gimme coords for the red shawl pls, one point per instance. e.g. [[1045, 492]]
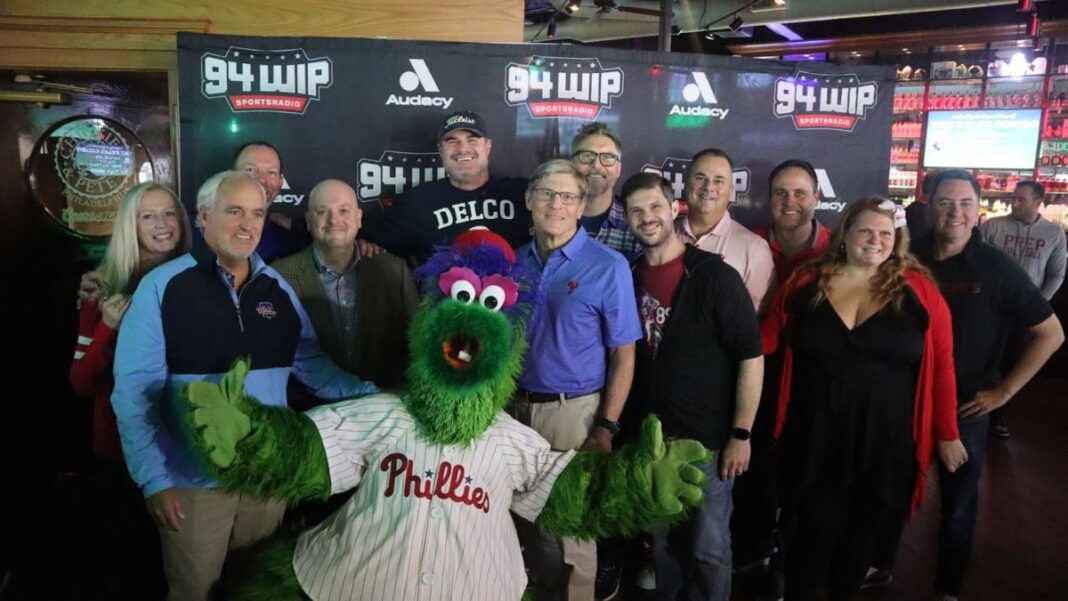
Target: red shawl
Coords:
[[935, 410]]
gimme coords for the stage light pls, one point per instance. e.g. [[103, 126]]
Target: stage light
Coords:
[[551, 33], [573, 6], [736, 24], [1038, 45], [1025, 6]]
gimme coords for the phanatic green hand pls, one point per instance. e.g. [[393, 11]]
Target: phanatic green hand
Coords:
[[677, 480], [219, 413]]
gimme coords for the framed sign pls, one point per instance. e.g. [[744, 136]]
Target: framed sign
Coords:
[[81, 168]]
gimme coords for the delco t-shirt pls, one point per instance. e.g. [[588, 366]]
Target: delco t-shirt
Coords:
[[435, 213]]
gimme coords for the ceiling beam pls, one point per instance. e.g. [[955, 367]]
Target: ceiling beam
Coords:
[[907, 39]]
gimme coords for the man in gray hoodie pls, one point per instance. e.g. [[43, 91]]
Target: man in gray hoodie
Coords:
[[1038, 245]]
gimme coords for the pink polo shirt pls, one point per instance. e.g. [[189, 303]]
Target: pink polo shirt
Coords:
[[740, 248]]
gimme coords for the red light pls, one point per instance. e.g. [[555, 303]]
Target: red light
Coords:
[[1032, 25]]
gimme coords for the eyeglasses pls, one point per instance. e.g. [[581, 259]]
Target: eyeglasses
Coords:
[[587, 157], [547, 195]]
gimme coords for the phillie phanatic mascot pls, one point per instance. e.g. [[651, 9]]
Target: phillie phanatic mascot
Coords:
[[436, 468]]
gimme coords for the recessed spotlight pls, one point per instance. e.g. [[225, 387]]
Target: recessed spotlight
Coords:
[[856, 54], [961, 47]]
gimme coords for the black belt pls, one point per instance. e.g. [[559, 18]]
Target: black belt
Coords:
[[549, 397]]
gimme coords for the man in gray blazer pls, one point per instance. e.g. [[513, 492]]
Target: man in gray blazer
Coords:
[[359, 306]]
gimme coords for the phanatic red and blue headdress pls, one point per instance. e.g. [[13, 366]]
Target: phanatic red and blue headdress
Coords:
[[479, 267]]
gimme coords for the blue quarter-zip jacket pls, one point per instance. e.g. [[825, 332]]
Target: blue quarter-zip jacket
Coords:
[[186, 323]]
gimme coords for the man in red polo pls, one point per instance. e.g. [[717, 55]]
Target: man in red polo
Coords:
[[794, 234], [794, 237]]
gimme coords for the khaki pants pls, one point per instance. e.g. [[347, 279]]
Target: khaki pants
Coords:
[[560, 568], [215, 522]]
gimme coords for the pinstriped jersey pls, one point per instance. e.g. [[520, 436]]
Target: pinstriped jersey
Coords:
[[428, 522]]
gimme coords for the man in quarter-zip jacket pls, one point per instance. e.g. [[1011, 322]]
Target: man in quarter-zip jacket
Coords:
[[189, 320]]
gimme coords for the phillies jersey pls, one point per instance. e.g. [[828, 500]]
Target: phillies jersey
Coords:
[[428, 522]]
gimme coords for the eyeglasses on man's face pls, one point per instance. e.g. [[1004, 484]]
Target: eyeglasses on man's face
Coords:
[[587, 157], [546, 195]]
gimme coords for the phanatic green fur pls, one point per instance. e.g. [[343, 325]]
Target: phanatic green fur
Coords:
[[600, 495], [263, 572], [281, 457], [456, 406]]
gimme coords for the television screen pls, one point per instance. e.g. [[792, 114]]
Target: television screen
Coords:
[[982, 139]]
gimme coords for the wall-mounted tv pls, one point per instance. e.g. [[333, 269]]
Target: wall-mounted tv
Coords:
[[982, 139]]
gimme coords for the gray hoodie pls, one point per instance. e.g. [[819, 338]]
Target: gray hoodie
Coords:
[[1039, 248]]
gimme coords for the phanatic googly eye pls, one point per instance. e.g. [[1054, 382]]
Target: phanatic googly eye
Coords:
[[463, 291], [460, 283], [492, 298], [505, 292]]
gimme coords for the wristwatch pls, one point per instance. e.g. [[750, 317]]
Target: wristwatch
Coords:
[[607, 424], [739, 434]]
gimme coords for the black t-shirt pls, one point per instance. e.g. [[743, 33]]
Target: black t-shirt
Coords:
[[987, 293], [918, 219], [691, 382], [435, 213], [593, 224]]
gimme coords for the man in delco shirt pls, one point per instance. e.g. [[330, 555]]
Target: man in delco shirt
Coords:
[[435, 213]]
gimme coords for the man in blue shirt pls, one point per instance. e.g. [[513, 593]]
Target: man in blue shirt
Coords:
[[189, 320], [581, 342]]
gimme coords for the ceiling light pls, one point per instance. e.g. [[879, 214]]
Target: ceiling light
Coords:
[[573, 6], [784, 31], [767, 5]]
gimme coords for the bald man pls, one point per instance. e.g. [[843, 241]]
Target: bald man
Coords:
[[359, 306]]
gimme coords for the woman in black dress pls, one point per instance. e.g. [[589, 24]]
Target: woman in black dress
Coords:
[[868, 392]]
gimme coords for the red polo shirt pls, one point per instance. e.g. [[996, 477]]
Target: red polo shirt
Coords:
[[784, 266]]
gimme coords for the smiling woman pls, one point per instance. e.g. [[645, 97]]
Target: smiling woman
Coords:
[[867, 392]]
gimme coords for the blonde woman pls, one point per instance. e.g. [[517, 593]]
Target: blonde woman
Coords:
[[150, 228], [868, 392]]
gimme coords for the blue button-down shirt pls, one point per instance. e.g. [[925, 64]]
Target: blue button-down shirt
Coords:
[[585, 304], [340, 291]]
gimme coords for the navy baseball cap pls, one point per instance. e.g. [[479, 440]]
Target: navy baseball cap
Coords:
[[462, 120]]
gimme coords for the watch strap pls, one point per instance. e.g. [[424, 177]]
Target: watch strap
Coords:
[[740, 434], [612, 427]]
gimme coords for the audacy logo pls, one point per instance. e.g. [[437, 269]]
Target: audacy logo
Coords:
[[411, 81], [700, 90]]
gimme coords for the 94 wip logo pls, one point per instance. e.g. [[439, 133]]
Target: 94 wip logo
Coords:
[[394, 172], [675, 170], [824, 101], [562, 87], [281, 81]]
